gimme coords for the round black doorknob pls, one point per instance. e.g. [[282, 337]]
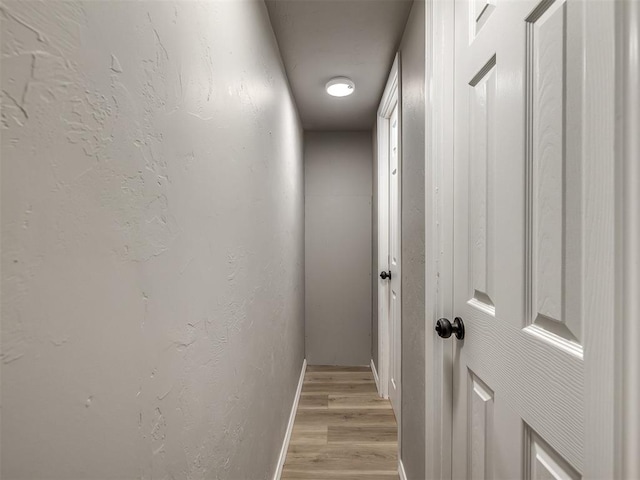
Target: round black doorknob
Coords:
[[445, 328], [385, 275]]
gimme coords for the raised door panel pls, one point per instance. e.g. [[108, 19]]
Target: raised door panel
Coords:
[[554, 216], [394, 342], [482, 92], [480, 429], [544, 463], [395, 265], [394, 244], [481, 10]]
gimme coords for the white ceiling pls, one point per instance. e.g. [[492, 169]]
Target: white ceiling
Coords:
[[322, 39]]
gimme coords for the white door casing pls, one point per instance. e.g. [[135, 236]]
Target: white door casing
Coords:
[[389, 241], [628, 229], [387, 104], [534, 251], [439, 148], [394, 262]]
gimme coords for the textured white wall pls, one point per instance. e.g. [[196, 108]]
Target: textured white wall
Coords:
[[152, 241], [338, 174]]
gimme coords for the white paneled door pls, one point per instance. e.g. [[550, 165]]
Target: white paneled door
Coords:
[[532, 224], [394, 264]]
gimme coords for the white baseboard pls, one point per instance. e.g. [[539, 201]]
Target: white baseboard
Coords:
[[292, 418], [375, 377], [401, 472]]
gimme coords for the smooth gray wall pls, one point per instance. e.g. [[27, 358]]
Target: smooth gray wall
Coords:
[[152, 241], [338, 171], [412, 60]]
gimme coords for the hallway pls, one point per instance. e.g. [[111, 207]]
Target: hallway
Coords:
[[319, 239], [343, 429]]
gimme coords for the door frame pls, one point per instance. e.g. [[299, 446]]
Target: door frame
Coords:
[[390, 97], [628, 236], [439, 194], [440, 41]]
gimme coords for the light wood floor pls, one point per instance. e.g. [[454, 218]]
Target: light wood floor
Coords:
[[343, 430]]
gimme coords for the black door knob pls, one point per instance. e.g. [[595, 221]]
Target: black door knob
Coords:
[[445, 328], [385, 275]]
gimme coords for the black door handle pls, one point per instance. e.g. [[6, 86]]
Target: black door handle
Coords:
[[444, 328], [385, 275]]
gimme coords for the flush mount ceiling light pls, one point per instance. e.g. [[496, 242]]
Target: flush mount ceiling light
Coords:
[[340, 87]]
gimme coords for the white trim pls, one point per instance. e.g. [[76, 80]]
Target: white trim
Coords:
[[401, 471], [390, 94], [628, 232], [292, 418], [383, 255], [390, 100], [387, 102], [375, 376], [599, 215], [439, 125]]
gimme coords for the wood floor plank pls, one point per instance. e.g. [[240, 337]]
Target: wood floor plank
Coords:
[[369, 434], [362, 400], [310, 435], [337, 388], [382, 458], [314, 401], [339, 377], [291, 474], [333, 368], [341, 416], [344, 451]]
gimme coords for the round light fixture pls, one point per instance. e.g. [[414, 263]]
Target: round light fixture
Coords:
[[340, 87]]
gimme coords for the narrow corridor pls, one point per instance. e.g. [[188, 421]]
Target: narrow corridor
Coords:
[[212, 210], [343, 429]]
